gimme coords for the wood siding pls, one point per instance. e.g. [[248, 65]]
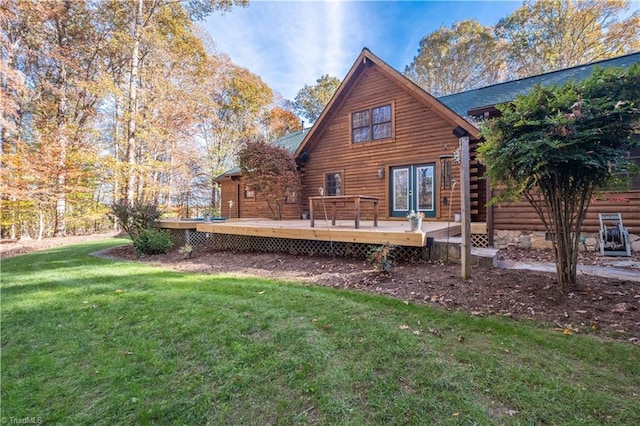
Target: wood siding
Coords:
[[420, 136], [521, 216], [234, 189]]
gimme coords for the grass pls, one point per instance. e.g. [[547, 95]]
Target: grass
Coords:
[[92, 341]]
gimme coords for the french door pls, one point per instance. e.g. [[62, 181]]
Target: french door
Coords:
[[413, 188]]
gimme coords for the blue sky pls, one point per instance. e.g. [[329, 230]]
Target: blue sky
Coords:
[[292, 43]]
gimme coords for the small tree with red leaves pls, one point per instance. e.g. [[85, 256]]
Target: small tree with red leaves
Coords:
[[271, 172]]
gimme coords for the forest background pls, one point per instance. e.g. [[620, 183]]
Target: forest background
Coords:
[[129, 101]]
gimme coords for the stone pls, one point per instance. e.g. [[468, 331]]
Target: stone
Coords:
[[502, 234], [540, 243], [591, 243], [524, 242]]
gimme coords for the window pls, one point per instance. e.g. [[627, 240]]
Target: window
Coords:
[[248, 192], [371, 124], [292, 198], [446, 176], [333, 184], [629, 179]]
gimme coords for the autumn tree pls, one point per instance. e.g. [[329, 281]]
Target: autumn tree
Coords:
[[548, 35], [138, 20], [457, 58], [270, 171], [279, 121], [100, 102], [232, 105], [55, 47], [557, 145], [538, 37], [311, 100]]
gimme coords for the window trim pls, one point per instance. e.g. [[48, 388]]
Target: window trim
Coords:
[[369, 109]]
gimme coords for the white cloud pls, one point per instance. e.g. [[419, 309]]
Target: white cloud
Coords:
[[289, 44]]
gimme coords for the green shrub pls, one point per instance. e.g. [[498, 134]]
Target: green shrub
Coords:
[[136, 218], [152, 242]]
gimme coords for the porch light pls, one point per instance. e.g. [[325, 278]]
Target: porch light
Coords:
[[381, 172]]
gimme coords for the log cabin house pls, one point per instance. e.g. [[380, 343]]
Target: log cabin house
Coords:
[[381, 135]]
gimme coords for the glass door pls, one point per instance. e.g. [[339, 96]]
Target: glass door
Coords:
[[413, 188]]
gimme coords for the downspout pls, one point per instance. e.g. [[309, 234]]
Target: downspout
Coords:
[[238, 199], [490, 225]]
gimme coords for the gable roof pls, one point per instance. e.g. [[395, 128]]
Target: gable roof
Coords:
[[290, 142], [489, 96], [364, 60]]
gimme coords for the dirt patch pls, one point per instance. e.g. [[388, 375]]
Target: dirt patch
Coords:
[[602, 306]]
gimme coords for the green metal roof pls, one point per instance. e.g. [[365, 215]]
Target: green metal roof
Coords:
[[501, 93], [290, 142]]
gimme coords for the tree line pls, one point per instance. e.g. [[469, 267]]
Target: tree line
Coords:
[[538, 37], [110, 100]]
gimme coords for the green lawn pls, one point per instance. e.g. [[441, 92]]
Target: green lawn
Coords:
[[93, 341]]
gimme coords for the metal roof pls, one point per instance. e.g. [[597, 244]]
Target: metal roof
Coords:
[[501, 93]]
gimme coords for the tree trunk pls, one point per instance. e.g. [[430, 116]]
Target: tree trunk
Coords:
[[60, 192], [41, 225], [132, 106]]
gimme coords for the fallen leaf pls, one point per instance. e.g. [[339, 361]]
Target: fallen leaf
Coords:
[[435, 332], [580, 311], [404, 327], [416, 332], [567, 332], [620, 308], [118, 291], [314, 320], [262, 292]]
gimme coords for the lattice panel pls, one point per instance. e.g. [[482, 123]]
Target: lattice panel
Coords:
[[189, 236], [177, 236], [306, 247], [480, 240]]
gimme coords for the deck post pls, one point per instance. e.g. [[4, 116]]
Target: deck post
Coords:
[[465, 199]]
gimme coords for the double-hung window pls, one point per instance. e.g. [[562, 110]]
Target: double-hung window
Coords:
[[371, 124]]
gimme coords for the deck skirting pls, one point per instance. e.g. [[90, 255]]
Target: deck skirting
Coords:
[[248, 243]]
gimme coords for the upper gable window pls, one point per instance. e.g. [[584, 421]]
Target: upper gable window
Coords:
[[371, 124]]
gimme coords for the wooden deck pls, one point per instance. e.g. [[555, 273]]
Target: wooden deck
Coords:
[[393, 232]]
